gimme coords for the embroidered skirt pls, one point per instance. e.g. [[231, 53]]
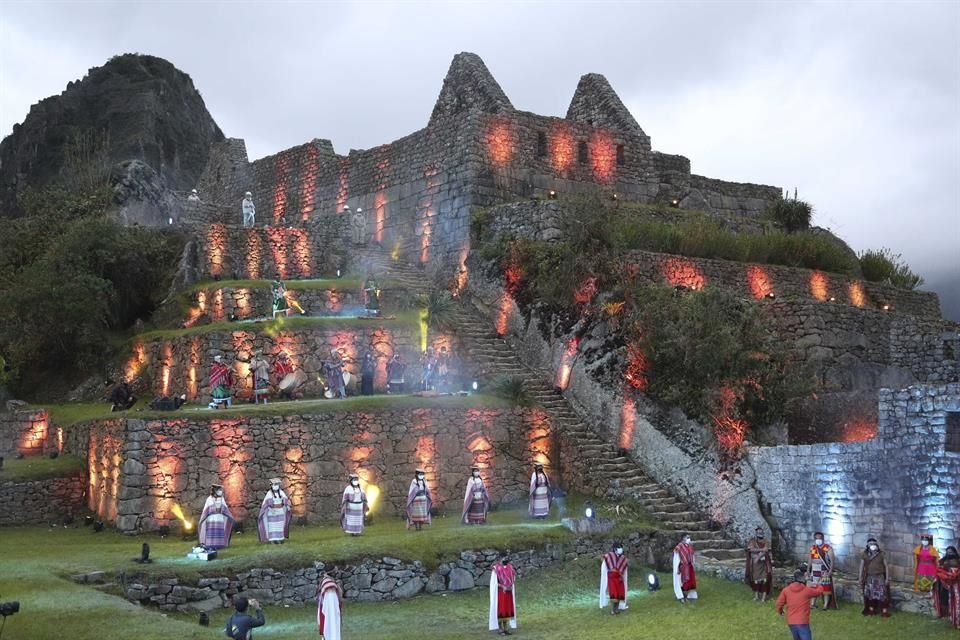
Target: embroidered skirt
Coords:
[[541, 501], [353, 517], [419, 510]]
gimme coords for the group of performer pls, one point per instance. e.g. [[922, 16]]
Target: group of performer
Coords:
[[438, 370]]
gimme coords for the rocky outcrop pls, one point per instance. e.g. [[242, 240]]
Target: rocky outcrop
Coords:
[[133, 108]]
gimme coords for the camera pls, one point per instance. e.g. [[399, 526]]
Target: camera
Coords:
[[9, 608]]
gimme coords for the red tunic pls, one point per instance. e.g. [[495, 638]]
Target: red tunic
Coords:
[[506, 576], [616, 568], [688, 577]]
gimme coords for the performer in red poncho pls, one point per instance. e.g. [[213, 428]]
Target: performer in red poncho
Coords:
[[329, 605], [221, 379], [684, 571], [946, 590], [613, 579], [503, 596]]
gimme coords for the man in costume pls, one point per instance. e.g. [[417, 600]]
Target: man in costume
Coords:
[[371, 296], [283, 367], [260, 370], [194, 196], [279, 292], [538, 501], [240, 624], [419, 500], [820, 570], [443, 370], [273, 522], [221, 380], [368, 370], [476, 501], [353, 507], [249, 210], [395, 370], [216, 521], [946, 589], [759, 571], [796, 597], [684, 571], [122, 397], [925, 558], [333, 375], [329, 606], [503, 596], [613, 579], [874, 580]]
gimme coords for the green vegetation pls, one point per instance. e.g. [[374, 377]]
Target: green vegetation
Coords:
[[70, 279], [793, 215], [42, 467], [559, 603], [439, 307], [293, 323], [346, 282], [886, 267], [511, 388], [65, 415]]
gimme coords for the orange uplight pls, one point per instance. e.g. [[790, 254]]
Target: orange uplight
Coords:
[[427, 212], [585, 292], [859, 431], [33, 439], [499, 141], [504, 309], [217, 311], [242, 297], [819, 285], [603, 156], [759, 281], [628, 420], [681, 272], [308, 181], [426, 452], [858, 297], [379, 215], [301, 252], [561, 147], [566, 362], [165, 369], [636, 372], [59, 439], [372, 492], [216, 248], [254, 253], [278, 245], [136, 362], [729, 430], [343, 186], [512, 275], [425, 237]]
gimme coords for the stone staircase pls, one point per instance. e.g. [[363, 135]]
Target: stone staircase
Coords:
[[600, 465]]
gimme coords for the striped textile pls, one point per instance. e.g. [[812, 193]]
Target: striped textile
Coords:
[[478, 508], [541, 501], [276, 520], [215, 533], [420, 509], [352, 510]]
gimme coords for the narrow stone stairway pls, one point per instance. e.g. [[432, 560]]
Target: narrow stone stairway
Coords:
[[600, 465]]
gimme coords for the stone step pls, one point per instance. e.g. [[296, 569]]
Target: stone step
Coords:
[[698, 525], [676, 516], [722, 554]]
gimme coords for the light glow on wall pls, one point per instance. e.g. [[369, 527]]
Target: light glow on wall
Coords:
[[858, 297], [302, 252], [165, 369], [216, 248], [680, 272], [499, 140], [308, 181], [819, 286], [277, 239], [561, 147], [628, 419], [566, 362], [254, 253], [379, 215], [343, 185], [859, 431], [504, 309], [759, 281], [603, 156], [192, 387], [218, 313], [637, 365], [136, 362]]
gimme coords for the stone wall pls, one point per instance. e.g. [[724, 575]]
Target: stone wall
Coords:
[[41, 501], [375, 579], [141, 468], [23, 432], [893, 487]]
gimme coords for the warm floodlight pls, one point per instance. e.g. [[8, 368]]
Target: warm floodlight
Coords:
[[653, 582]]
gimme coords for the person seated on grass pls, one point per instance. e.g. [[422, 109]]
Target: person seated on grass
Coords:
[[240, 625], [122, 397], [164, 403]]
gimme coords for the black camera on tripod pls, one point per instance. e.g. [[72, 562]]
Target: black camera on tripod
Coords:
[[9, 608]]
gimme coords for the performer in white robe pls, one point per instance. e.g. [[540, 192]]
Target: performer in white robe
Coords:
[[614, 569], [216, 521], [684, 571], [503, 596], [476, 501], [273, 521], [329, 605]]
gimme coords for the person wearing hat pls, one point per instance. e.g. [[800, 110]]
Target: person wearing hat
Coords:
[[260, 370], [221, 380], [194, 196], [538, 501], [273, 521], [614, 568], [353, 507], [419, 500], [216, 521], [476, 501], [503, 596], [925, 558], [797, 597], [759, 567], [946, 590], [249, 210], [329, 604], [874, 580], [820, 569]]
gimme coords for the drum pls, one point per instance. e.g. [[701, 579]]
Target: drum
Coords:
[[289, 382]]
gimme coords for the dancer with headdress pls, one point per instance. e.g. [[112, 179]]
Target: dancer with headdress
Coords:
[[614, 567], [216, 521], [276, 511], [820, 569], [419, 501], [925, 558], [476, 501]]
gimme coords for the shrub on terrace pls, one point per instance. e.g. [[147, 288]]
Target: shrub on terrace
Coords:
[[886, 267]]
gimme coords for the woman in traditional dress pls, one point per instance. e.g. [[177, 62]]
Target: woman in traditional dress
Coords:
[[946, 590], [476, 501], [820, 570], [216, 521], [539, 496], [273, 523], [874, 580], [329, 604], [419, 501], [925, 558], [353, 507]]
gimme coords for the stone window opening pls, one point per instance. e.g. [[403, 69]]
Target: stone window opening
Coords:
[[621, 156], [541, 144], [582, 154], [953, 431]]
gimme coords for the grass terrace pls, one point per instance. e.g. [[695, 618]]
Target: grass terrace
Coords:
[[346, 282], [33, 468]]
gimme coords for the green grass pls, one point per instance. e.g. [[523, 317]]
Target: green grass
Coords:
[[65, 415], [559, 603], [42, 468], [293, 323], [346, 282]]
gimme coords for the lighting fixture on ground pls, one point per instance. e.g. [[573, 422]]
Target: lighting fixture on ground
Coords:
[[552, 194], [653, 582], [474, 385], [588, 511]]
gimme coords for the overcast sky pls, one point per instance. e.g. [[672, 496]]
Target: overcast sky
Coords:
[[856, 104]]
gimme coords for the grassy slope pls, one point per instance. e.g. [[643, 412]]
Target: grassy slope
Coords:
[[558, 604], [42, 467]]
